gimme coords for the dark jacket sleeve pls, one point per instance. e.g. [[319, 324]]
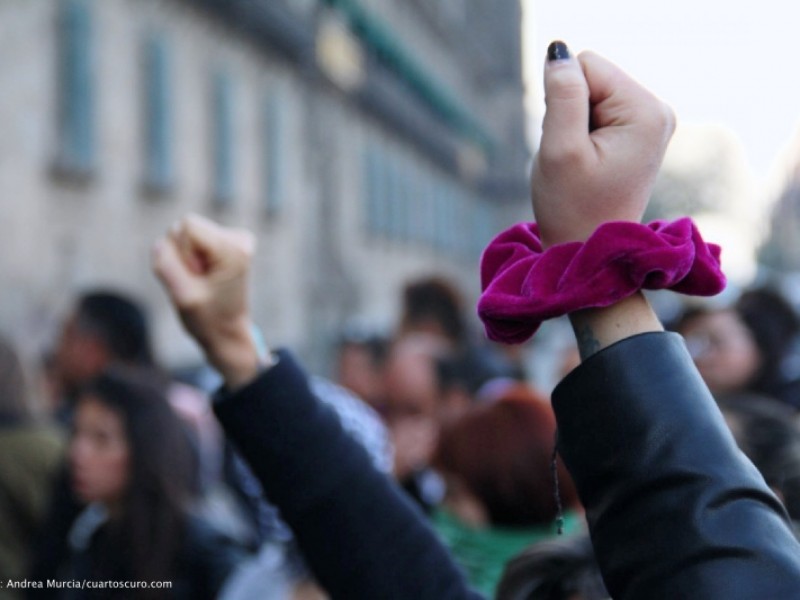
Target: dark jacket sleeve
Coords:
[[674, 509], [360, 535]]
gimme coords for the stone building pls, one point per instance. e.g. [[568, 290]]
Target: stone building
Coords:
[[780, 251], [364, 141]]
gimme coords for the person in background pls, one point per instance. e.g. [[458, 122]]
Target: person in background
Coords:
[[766, 431], [745, 347], [433, 306], [130, 463], [107, 327], [360, 359], [432, 373], [414, 412], [103, 327], [31, 451], [555, 569], [499, 467]]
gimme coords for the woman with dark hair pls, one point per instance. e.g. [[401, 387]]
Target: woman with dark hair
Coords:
[[497, 462], [775, 326], [743, 348], [130, 461], [30, 453]]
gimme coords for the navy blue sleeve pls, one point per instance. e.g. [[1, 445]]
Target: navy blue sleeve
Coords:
[[675, 510], [361, 536]]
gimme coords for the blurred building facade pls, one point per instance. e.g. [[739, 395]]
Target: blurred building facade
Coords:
[[364, 141], [780, 250]]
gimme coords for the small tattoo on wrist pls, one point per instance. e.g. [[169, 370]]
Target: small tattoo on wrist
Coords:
[[588, 344]]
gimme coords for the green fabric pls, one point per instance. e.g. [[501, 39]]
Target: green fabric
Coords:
[[484, 551], [29, 459]]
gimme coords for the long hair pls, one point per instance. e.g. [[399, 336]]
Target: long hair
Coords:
[[503, 453], [775, 326], [151, 522]]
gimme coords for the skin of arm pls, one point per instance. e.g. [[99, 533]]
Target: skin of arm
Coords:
[[598, 328], [584, 176], [205, 270]]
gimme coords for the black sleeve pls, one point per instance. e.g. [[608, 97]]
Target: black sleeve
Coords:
[[674, 509], [360, 535], [208, 560], [50, 549]]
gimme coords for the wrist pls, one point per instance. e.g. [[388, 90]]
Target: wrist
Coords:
[[236, 354], [524, 285], [598, 328]]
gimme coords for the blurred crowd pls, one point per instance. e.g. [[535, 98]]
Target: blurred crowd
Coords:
[[114, 468]]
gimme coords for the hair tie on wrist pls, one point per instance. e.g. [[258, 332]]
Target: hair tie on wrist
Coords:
[[523, 286]]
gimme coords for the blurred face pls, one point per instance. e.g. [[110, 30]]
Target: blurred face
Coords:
[[411, 409], [410, 386], [723, 350], [79, 355], [99, 454], [358, 373]]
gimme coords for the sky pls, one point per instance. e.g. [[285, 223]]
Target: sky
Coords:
[[730, 63]]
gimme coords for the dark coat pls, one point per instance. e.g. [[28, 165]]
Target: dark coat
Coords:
[[675, 510], [205, 560]]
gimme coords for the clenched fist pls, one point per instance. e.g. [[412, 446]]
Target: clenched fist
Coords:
[[603, 139], [205, 270]]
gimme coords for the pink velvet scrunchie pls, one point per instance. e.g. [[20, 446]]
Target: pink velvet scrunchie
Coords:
[[523, 286]]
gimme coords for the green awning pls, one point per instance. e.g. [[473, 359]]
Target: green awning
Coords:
[[387, 49]]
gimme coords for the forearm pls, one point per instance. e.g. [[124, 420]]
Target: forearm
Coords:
[[598, 328], [235, 354], [674, 508], [346, 515]]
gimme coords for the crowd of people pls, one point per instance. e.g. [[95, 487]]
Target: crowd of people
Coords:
[[429, 464]]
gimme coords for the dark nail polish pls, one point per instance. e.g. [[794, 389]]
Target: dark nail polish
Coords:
[[557, 51]]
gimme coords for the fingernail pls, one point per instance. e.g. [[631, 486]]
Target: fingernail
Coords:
[[557, 51]]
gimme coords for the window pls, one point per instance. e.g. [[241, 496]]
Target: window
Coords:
[[440, 216], [383, 193], [76, 135], [403, 200], [428, 210], [394, 199], [222, 140], [483, 226], [274, 155], [371, 189], [415, 204], [158, 144]]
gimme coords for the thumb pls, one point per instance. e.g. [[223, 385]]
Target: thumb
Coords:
[[176, 277], [565, 128]]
